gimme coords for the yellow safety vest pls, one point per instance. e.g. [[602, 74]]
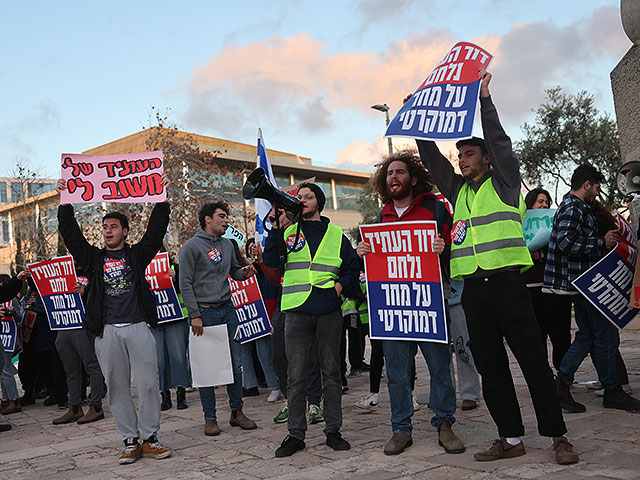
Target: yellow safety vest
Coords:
[[302, 273], [349, 305], [486, 233]]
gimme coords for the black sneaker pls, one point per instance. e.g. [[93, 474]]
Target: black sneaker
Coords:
[[365, 366], [250, 392], [335, 441], [5, 427], [50, 401], [289, 446], [621, 400]]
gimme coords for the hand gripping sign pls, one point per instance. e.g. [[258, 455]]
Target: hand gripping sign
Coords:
[[404, 285], [127, 178], [253, 321], [8, 330], [55, 280], [608, 284], [157, 275], [443, 107]]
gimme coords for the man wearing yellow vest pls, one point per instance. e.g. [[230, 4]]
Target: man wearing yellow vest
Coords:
[[319, 264], [488, 251]]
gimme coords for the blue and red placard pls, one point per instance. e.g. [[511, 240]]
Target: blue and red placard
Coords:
[[55, 280], [167, 303], [607, 285], [8, 329], [404, 284], [253, 320], [444, 106]]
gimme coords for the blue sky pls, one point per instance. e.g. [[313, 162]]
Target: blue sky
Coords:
[[75, 75]]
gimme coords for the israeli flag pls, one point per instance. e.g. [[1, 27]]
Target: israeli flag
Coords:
[[262, 206]]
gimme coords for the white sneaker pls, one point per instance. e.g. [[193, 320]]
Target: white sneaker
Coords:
[[599, 392], [416, 405], [274, 396], [370, 402]]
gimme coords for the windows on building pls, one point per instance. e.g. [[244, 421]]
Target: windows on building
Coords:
[[3, 192], [348, 194]]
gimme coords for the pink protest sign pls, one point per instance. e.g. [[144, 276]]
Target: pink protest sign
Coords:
[[127, 178]]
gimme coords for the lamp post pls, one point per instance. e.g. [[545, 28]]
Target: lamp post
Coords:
[[385, 108]]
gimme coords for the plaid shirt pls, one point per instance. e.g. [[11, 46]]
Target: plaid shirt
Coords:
[[575, 244]]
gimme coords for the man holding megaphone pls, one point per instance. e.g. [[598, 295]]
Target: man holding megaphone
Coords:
[[319, 263]]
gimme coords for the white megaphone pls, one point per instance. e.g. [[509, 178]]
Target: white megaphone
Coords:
[[628, 178]]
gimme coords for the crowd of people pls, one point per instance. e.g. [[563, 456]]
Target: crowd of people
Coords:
[[312, 279]]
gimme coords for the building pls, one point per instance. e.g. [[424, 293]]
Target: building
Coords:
[[342, 187]]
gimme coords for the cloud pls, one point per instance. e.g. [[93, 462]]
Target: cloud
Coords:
[[295, 84], [363, 156], [43, 117]]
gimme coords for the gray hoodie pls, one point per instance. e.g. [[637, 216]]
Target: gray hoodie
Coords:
[[205, 263]]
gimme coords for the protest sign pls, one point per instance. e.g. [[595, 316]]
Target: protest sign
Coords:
[[444, 106], [167, 303], [608, 284], [55, 280], [210, 357], [404, 288], [253, 321], [232, 233], [8, 329], [126, 178], [536, 227]]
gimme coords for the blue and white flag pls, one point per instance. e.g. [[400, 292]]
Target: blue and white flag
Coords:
[[262, 206]]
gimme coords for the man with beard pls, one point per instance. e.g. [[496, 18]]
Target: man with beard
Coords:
[[488, 251], [405, 188], [575, 246], [319, 264]]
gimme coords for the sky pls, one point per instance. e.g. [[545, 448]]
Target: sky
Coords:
[[76, 75]]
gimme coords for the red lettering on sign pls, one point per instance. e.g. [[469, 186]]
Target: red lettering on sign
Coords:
[[77, 168], [76, 183]]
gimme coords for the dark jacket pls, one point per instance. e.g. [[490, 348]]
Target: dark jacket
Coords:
[[91, 260], [10, 290]]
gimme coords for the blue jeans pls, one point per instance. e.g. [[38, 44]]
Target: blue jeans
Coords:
[[7, 379], [223, 315], [171, 348], [263, 347], [594, 331], [399, 357]]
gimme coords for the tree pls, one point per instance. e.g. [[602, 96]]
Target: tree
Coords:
[[34, 236], [368, 206], [568, 131]]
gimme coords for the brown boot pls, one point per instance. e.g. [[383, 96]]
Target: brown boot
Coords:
[[239, 419], [397, 444], [93, 415], [13, 406], [564, 451], [448, 440], [74, 413], [211, 428], [469, 405], [500, 449]]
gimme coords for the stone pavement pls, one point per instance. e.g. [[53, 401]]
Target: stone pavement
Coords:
[[608, 442]]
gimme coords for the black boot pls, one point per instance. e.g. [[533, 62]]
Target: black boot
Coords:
[[621, 400], [166, 401], [567, 402], [181, 398]]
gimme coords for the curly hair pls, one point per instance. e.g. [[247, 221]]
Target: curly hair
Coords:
[[415, 167]]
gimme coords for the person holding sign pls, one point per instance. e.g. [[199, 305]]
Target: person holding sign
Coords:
[[576, 245], [405, 188], [7, 292], [488, 250], [319, 263], [206, 261], [119, 306]]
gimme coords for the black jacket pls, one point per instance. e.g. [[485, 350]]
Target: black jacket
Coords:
[[10, 290], [91, 260]]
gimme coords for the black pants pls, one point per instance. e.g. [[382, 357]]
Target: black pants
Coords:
[[354, 329], [498, 307], [553, 314], [279, 358]]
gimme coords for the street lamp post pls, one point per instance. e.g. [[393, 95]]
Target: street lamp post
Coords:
[[385, 108]]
